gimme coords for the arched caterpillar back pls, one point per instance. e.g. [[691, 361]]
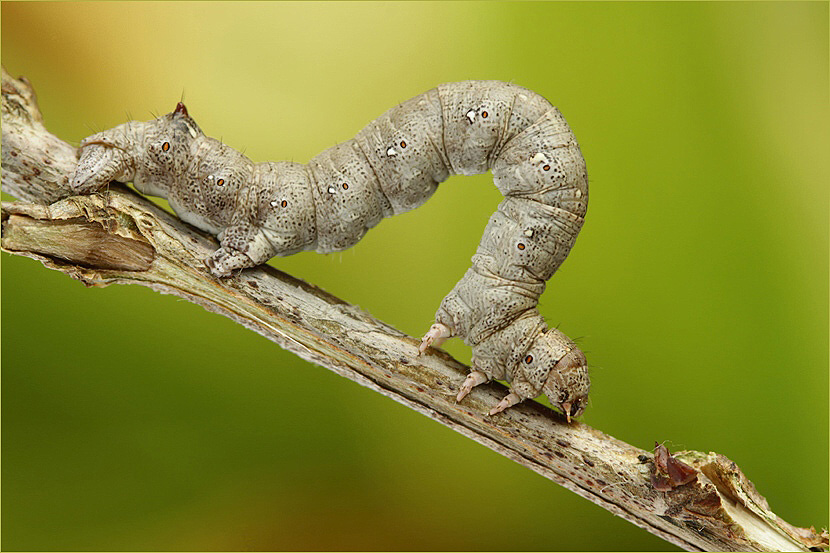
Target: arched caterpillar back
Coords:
[[259, 210]]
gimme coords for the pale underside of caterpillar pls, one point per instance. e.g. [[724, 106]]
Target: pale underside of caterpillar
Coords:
[[261, 210]]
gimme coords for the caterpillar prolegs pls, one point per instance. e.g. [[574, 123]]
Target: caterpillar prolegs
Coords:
[[259, 210]]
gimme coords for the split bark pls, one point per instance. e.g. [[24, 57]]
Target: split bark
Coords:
[[120, 237]]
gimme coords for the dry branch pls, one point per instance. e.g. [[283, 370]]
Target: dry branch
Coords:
[[120, 237]]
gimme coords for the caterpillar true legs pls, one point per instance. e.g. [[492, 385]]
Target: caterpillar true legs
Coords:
[[394, 164]]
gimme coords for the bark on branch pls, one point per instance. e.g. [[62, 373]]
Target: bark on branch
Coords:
[[120, 237]]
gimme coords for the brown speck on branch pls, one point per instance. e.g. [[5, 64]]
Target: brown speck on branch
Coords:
[[698, 501]]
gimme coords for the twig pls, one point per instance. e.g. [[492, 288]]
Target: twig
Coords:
[[120, 237]]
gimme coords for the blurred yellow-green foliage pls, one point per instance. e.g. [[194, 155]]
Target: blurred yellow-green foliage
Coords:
[[699, 285]]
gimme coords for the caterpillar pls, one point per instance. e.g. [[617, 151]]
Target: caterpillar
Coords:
[[261, 210]]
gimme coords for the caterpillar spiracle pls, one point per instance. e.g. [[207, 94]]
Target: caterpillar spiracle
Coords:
[[261, 210]]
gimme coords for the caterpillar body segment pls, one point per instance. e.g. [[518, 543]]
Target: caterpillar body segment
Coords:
[[259, 210]]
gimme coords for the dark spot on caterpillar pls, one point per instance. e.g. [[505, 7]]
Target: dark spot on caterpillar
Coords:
[[403, 360], [13, 153], [220, 182], [284, 203], [419, 389], [345, 186], [546, 167], [165, 146], [547, 454], [253, 285], [521, 246], [484, 115], [35, 171], [588, 462], [600, 482], [642, 458], [439, 383], [529, 359], [403, 144], [563, 443], [559, 454]]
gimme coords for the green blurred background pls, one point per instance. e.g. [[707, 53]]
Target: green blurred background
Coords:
[[698, 287]]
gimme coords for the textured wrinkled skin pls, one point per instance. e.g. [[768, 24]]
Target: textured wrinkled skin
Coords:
[[393, 165]]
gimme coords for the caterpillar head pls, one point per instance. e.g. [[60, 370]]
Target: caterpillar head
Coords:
[[564, 370], [149, 151]]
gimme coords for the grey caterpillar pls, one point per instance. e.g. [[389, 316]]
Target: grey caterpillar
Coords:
[[261, 210]]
